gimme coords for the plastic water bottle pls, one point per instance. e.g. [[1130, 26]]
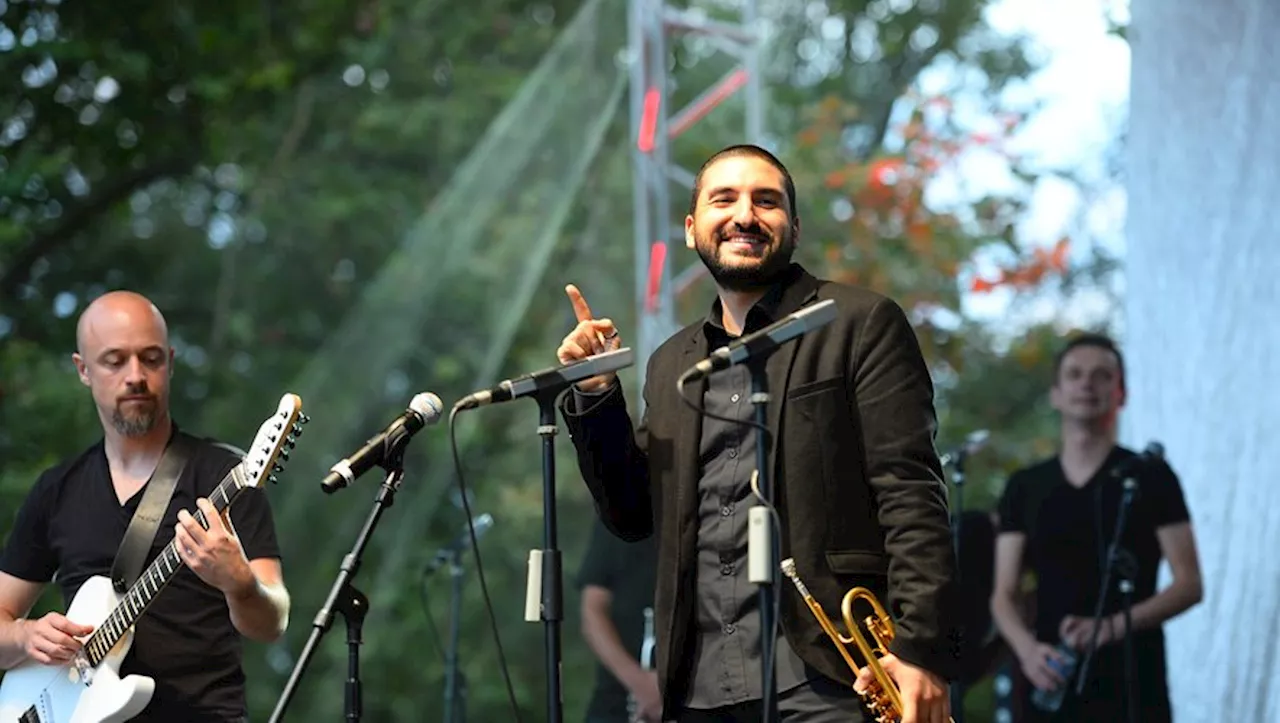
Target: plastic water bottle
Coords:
[[1051, 700]]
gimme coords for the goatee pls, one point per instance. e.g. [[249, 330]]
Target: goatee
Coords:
[[752, 277], [134, 425]]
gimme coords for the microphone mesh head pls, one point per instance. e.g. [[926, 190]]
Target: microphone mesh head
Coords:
[[428, 405]]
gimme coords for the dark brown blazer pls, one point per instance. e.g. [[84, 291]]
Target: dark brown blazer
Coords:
[[855, 475]]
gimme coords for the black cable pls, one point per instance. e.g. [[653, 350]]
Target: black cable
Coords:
[[766, 438], [475, 549]]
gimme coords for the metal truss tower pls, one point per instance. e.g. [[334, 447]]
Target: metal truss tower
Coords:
[[658, 225]]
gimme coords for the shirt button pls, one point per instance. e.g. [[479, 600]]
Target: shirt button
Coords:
[[729, 629], [735, 397], [733, 453], [726, 510], [726, 569]]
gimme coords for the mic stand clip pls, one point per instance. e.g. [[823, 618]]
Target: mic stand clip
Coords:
[[1123, 566], [348, 601]]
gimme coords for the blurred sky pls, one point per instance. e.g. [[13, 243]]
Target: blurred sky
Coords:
[[1081, 91]]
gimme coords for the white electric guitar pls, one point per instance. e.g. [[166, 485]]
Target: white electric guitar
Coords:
[[89, 689]]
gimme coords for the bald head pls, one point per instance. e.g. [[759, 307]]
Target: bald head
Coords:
[[123, 356], [116, 309]]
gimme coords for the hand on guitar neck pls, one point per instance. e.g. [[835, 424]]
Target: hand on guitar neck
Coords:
[[213, 554]]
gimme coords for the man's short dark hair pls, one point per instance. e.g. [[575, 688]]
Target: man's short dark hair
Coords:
[[747, 149], [1098, 341]]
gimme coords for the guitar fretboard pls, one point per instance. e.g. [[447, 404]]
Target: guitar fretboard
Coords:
[[156, 576]]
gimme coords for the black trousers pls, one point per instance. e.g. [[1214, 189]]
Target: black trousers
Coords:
[[818, 701]]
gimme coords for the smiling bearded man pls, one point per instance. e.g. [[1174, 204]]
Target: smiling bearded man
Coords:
[[858, 484]]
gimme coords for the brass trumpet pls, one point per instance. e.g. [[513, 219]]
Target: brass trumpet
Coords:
[[881, 697]]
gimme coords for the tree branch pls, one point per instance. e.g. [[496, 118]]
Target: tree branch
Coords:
[[82, 215]]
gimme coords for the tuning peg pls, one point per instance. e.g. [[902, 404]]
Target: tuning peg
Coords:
[[277, 469], [284, 454], [302, 418], [291, 442], [272, 479]]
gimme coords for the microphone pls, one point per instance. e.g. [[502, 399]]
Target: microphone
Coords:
[[481, 523], [424, 409], [1154, 452], [555, 379], [766, 340], [972, 445]]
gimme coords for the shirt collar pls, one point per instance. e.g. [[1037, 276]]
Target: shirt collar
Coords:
[[762, 313]]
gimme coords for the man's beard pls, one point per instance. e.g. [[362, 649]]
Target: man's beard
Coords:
[[748, 277], [137, 423]]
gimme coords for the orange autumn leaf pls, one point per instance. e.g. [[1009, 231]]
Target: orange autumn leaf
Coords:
[[880, 172], [920, 235], [980, 285], [1058, 259]]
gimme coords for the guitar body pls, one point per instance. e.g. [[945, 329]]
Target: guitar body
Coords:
[[34, 693]]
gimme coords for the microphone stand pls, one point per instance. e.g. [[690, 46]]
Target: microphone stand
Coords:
[[348, 601], [1127, 567], [1121, 563], [551, 604], [769, 548], [455, 682], [957, 510]]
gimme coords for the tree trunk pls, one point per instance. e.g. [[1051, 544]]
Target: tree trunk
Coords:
[[1203, 344]]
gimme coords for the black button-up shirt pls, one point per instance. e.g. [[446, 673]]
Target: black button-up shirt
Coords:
[[728, 666]]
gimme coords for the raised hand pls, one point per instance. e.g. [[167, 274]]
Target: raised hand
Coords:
[[590, 337]]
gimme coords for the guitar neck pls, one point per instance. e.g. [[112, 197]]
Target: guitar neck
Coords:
[[157, 575]]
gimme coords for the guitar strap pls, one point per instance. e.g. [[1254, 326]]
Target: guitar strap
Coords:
[[146, 519]]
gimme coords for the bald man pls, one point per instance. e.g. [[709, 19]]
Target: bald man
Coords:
[[73, 520]]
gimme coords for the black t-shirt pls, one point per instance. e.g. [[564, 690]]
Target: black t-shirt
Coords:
[[1068, 531], [628, 571], [71, 525]]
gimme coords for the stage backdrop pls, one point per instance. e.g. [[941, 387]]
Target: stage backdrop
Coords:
[[1202, 327]]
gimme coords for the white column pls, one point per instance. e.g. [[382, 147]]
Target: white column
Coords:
[[1202, 327]]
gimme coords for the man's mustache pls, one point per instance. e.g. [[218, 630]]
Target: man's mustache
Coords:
[[136, 391]]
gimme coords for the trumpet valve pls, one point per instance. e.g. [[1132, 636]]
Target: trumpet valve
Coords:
[[880, 629], [880, 705]]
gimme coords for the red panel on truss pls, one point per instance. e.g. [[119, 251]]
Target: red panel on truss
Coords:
[[657, 257], [649, 120], [712, 98]]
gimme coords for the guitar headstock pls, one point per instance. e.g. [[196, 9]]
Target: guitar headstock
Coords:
[[275, 438]]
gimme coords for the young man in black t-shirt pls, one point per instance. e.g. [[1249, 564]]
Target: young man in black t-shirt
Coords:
[[617, 580], [1057, 519], [71, 524]]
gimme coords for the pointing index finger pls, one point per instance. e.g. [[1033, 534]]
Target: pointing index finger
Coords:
[[580, 308]]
